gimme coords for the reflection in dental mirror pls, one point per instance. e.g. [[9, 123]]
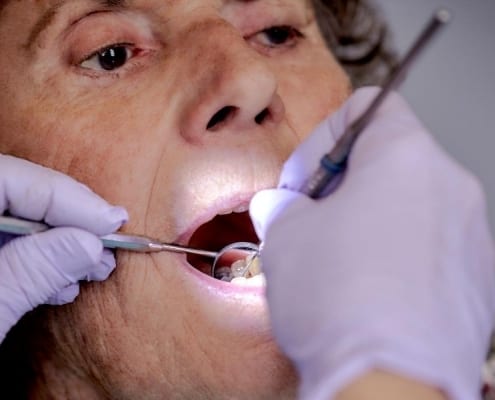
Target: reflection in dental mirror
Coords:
[[237, 260]]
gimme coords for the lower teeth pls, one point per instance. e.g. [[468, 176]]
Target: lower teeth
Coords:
[[242, 269], [258, 280]]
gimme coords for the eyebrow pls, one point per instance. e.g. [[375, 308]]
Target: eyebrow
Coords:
[[49, 15]]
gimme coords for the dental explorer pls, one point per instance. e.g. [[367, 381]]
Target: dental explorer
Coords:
[[333, 164], [137, 243], [142, 244]]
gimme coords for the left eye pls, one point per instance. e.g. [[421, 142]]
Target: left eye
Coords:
[[279, 35], [109, 58]]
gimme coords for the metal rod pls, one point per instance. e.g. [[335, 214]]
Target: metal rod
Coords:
[[334, 163], [143, 244]]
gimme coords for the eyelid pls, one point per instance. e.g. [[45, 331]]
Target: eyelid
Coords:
[[99, 30], [94, 62], [251, 17], [62, 17], [291, 42], [103, 49]]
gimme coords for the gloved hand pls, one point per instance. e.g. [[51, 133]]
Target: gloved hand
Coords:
[[394, 270], [46, 267]]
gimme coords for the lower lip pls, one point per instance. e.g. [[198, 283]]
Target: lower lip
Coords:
[[228, 306]]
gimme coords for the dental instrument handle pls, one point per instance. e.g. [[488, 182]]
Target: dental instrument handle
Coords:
[[333, 163], [142, 244]]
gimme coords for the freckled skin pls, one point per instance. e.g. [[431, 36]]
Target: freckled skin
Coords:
[[153, 330]]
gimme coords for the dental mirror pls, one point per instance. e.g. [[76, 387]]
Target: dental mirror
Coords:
[[236, 260]]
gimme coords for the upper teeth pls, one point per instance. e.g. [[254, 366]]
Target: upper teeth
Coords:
[[241, 208], [238, 209]]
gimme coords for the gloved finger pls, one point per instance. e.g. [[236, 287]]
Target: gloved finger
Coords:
[[103, 270], [31, 191], [36, 267], [64, 296], [306, 158], [99, 273], [393, 120], [268, 205]]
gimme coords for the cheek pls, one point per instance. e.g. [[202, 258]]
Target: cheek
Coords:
[[164, 330], [112, 146], [319, 91]]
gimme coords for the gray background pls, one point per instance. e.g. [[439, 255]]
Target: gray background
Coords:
[[452, 87]]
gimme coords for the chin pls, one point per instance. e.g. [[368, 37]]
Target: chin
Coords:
[[230, 350]]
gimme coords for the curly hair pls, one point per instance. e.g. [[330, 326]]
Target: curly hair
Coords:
[[358, 36]]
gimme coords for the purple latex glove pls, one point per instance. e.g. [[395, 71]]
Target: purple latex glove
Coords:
[[46, 267], [394, 270]]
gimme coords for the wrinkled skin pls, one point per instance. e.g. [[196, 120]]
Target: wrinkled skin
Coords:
[[137, 135]]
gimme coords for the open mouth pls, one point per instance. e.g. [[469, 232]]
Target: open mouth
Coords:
[[219, 232]]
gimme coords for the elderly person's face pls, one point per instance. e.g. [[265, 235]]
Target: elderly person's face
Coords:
[[179, 110]]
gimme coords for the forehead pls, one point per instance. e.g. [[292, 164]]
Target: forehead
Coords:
[[130, 3], [49, 8], [39, 14]]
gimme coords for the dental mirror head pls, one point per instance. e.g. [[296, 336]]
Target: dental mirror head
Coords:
[[237, 260]]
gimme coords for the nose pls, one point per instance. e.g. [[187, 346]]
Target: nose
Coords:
[[232, 89]]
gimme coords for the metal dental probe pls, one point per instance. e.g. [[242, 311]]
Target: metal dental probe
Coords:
[[334, 163], [142, 244]]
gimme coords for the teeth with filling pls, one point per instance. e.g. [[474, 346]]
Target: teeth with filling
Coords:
[[243, 268]]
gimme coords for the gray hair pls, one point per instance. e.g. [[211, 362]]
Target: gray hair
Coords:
[[358, 36]]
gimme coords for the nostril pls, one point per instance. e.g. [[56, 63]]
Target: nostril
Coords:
[[223, 115], [262, 116]]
